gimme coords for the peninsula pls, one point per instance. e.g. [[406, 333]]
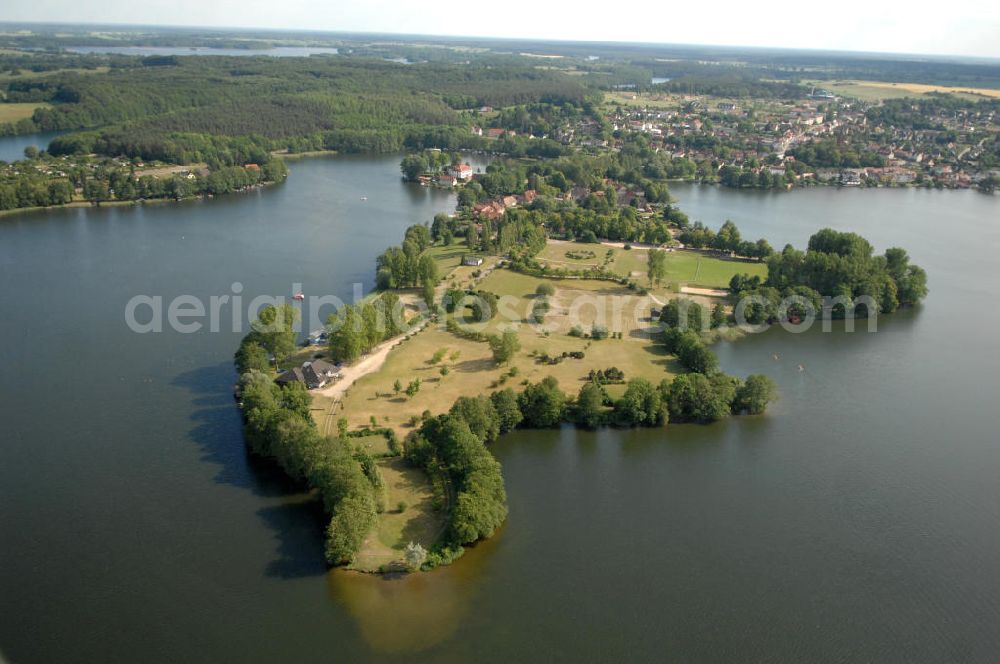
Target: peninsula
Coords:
[[521, 324]]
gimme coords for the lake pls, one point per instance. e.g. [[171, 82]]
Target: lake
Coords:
[[858, 520], [12, 147]]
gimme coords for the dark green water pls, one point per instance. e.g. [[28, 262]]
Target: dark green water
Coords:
[[858, 520]]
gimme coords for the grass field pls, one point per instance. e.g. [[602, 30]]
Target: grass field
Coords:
[[471, 369], [15, 112], [684, 268], [879, 90], [417, 522]]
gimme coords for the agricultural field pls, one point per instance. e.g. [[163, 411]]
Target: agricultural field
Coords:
[[15, 112], [879, 90]]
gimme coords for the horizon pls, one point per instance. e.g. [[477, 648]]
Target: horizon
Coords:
[[855, 28]]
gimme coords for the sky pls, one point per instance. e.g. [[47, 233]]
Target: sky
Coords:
[[969, 28]]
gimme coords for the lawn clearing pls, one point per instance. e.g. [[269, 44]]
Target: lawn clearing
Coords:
[[418, 522]]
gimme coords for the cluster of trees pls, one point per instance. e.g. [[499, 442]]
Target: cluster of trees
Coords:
[[106, 180], [271, 339], [728, 238], [34, 190], [844, 264], [429, 161], [407, 265], [757, 178], [687, 314], [453, 447], [277, 424], [356, 329], [694, 397], [831, 154]]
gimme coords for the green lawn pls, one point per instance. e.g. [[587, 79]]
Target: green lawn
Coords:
[[684, 268]]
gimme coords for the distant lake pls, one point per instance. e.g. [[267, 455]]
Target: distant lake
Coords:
[[276, 52], [859, 520], [12, 147]]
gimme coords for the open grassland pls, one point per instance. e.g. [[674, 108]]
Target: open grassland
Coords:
[[417, 521], [448, 258], [879, 90], [470, 367], [15, 112], [27, 73], [684, 268]]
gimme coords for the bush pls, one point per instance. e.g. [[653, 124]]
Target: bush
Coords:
[[545, 289], [599, 332]]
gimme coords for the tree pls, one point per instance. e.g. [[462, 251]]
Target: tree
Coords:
[[413, 387], [718, 316], [251, 356], [346, 339], [539, 309], [694, 355], [693, 398], [504, 346], [355, 516], [508, 412], [412, 166], [545, 289], [656, 268], [275, 329], [589, 410], [641, 405], [397, 387], [754, 394], [414, 555], [427, 293], [481, 416], [542, 403]]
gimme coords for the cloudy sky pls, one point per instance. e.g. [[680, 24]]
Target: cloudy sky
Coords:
[[970, 27]]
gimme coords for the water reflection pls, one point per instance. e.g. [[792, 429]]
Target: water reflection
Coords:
[[409, 613]]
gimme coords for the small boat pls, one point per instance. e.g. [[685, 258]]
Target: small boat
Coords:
[[298, 296], [364, 198]]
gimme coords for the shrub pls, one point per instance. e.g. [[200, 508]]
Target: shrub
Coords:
[[545, 289]]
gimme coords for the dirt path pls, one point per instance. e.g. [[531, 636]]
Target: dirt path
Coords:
[[366, 365]]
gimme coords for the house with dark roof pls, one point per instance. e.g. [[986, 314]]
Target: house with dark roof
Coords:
[[313, 374]]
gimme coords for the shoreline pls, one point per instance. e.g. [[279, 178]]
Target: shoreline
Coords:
[[130, 203]]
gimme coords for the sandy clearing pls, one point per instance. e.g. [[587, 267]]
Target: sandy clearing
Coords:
[[707, 292]]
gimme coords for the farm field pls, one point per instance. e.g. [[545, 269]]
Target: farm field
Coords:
[[879, 90], [15, 112]]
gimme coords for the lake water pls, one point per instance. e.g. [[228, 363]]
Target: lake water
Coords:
[[858, 520], [12, 147], [276, 52]]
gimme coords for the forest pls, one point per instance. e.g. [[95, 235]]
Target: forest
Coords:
[[176, 108]]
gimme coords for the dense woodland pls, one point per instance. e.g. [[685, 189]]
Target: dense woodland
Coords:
[[173, 108]]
